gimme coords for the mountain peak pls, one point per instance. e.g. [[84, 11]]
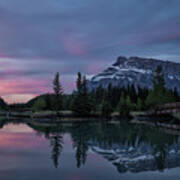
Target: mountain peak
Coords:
[[137, 71], [120, 60]]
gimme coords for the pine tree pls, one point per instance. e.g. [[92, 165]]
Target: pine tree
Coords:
[[79, 83], [122, 106], [58, 91], [133, 94], [86, 105], [106, 108], [175, 93], [158, 81], [139, 105], [82, 104], [130, 105], [159, 94], [99, 94], [125, 106]]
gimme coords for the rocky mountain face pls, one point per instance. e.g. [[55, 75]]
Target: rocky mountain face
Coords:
[[137, 71]]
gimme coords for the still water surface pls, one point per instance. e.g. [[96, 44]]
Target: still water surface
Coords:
[[87, 152]]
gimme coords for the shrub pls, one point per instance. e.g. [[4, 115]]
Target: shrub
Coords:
[[39, 105]]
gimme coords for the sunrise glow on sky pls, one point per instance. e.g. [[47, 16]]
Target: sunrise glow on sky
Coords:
[[41, 37]]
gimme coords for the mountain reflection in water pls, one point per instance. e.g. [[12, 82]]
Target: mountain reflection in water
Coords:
[[132, 148]]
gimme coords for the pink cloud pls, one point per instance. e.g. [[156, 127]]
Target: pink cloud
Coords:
[[22, 85], [22, 89], [96, 67], [3, 54], [72, 45]]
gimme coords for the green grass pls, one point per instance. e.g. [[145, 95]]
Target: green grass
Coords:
[[45, 113]]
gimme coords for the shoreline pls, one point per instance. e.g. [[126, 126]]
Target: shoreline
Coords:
[[50, 117]]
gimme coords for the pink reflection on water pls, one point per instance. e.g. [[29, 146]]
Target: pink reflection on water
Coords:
[[19, 136]]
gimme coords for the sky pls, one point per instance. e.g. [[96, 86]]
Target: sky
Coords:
[[40, 37]]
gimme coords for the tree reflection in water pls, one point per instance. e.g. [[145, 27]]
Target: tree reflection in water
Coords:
[[80, 139], [104, 138], [57, 144], [55, 135]]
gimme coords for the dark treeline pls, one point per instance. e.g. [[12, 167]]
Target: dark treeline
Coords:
[[105, 101]]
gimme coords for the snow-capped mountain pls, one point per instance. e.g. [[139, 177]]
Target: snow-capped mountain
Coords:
[[137, 71]]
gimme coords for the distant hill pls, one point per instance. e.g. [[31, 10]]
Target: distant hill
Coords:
[[66, 100], [137, 71], [3, 104], [43, 96]]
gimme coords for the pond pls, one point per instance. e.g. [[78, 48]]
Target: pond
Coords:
[[88, 151]]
